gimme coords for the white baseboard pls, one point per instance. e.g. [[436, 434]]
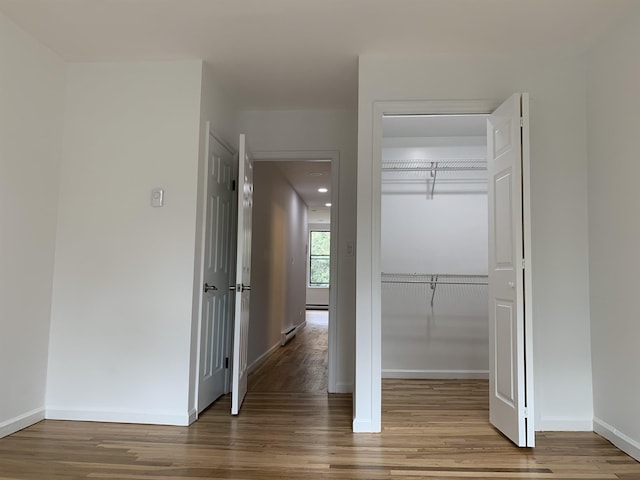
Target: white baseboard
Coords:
[[262, 358], [21, 421], [343, 387], [435, 374], [564, 424], [619, 439], [112, 416], [366, 426], [193, 415]]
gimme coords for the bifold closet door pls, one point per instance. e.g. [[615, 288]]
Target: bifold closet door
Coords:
[[510, 399]]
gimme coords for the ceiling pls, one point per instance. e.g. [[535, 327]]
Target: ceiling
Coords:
[[306, 177], [304, 53]]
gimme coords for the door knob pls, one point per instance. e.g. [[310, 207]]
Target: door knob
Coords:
[[208, 287], [246, 287]]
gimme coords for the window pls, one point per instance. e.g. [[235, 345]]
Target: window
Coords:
[[319, 243]]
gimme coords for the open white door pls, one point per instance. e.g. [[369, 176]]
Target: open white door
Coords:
[[510, 392], [217, 300], [242, 286]]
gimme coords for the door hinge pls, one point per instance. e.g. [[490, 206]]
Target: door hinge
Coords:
[[521, 122], [525, 412], [226, 362], [233, 185], [523, 263]]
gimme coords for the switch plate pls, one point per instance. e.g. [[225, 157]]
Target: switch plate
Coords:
[[157, 197], [350, 248]]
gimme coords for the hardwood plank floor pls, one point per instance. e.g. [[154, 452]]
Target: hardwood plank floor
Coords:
[[301, 366], [431, 429]]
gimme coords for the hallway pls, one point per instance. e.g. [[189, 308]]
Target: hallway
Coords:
[[301, 365]]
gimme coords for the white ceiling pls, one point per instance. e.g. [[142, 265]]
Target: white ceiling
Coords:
[[306, 177], [303, 53]]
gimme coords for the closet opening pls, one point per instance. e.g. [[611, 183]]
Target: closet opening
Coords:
[[434, 264]]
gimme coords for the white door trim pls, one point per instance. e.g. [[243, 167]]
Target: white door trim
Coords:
[[368, 411], [334, 157], [528, 275]]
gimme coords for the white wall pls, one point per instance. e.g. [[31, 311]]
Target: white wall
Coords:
[[563, 390], [614, 231], [31, 108], [326, 130], [444, 234], [447, 234], [278, 260], [217, 108], [121, 327], [317, 296]]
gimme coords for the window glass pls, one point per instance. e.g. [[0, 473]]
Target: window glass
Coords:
[[320, 243]]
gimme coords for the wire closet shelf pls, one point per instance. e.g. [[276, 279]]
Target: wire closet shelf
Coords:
[[434, 279], [431, 166], [430, 170]]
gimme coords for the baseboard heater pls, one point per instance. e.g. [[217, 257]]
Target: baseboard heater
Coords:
[[287, 336], [317, 306]]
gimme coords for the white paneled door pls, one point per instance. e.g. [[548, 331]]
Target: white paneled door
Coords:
[[217, 300], [510, 395], [242, 286]]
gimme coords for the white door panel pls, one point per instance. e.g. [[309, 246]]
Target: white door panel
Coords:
[[508, 397], [505, 382], [503, 245], [243, 277]]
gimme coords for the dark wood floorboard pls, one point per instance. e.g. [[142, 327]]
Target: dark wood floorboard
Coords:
[[431, 430]]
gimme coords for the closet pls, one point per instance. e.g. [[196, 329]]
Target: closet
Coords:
[[434, 250]]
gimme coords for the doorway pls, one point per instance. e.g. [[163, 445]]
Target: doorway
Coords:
[[314, 177], [510, 328], [434, 255], [434, 260]]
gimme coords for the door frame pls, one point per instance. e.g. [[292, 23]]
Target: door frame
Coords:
[[334, 320], [368, 404], [201, 233]]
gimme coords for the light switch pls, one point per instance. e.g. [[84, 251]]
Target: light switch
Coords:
[[157, 197], [350, 249]]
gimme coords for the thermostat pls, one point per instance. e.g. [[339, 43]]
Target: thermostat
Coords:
[[157, 197]]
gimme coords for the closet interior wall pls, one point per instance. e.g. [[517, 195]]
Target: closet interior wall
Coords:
[[434, 257]]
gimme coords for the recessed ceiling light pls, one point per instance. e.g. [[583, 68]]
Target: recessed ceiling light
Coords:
[[315, 174], [327, 204], [323, 190]]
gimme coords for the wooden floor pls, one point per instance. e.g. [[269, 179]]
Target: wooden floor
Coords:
[[431, 430], [299, 367]]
